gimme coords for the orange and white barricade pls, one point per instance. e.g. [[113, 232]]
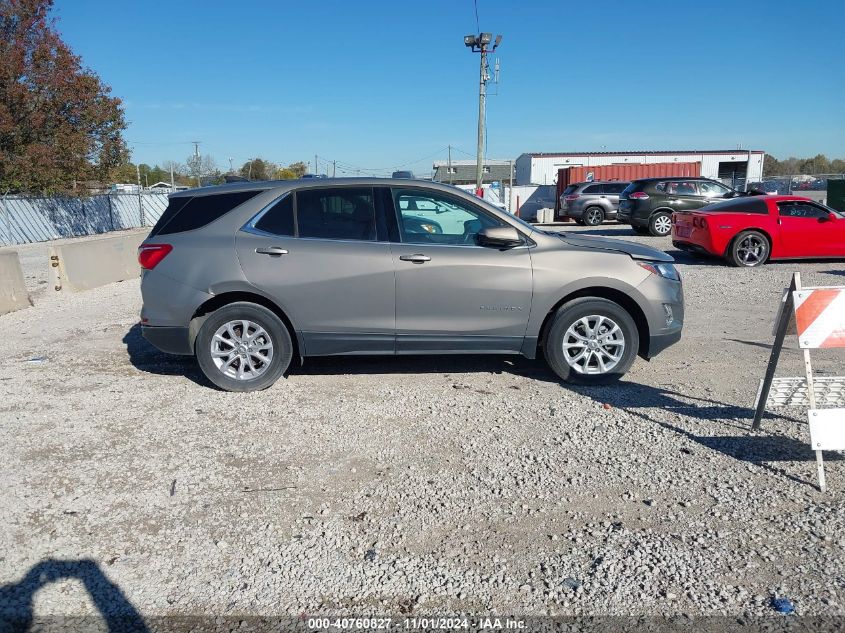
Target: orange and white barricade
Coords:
[[817, 317]]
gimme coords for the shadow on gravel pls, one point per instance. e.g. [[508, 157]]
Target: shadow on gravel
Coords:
[[752, 448], [16, 599], [445, 364], [147, 358]]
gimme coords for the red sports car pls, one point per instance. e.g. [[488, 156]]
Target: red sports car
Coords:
[[751, 230]]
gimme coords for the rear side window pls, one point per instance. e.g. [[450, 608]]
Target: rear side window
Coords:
[[278, 219], [594, 189], [346, 213], [199, 211], [738, 205]]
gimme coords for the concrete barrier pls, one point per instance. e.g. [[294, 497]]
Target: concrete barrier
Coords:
[[87, 264], [13, 293]]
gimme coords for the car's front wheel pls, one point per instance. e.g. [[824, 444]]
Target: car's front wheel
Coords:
[[591, 341], [243, 347]]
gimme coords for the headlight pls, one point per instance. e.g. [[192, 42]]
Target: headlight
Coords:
[[664, 270]]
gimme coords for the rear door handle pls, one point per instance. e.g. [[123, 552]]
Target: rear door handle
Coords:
[[419, 258], [275, 251]]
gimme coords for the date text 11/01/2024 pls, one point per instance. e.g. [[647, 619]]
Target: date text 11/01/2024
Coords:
[[417, 623]]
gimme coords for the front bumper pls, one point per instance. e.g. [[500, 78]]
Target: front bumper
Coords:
[[658, 342], [169, 339]]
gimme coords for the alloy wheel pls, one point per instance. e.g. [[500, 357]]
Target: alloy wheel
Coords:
[[594, 344], [663, 224], [241, 349], [751, 250]]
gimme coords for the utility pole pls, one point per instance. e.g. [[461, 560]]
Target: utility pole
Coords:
[[199, 166], [481, 44], [231, 169], [510, 190], [334, 168], [316, 169], [449, 165], [172, 182], [140, 198]]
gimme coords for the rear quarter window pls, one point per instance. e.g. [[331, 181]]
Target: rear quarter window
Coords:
[[198, 211], [594, 189], [570, 189]]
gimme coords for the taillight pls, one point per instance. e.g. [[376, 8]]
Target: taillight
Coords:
[[149, 255], [700, 223], [572, 196], [638, 195]]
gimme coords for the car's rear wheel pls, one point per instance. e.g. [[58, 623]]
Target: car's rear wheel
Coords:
[[243, 347], [591, 341], [749, 249], [660, 224], [593, 216]]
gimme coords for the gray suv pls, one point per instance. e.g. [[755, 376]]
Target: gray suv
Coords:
[[248, 276], [591, 203]]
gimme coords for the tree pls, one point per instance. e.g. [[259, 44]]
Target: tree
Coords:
[[258, 169], [58, 122], [292, 171], [203, 170]]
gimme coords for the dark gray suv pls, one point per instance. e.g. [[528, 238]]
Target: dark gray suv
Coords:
[[591, 203], [248, 276]]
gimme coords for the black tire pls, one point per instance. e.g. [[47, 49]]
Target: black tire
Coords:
[[660, 224], [568, 315], [641, 230], [749, 249], [279, 337], [579, 221], [593, 216]]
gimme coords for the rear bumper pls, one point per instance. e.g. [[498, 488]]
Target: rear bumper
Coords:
[[169, 339], [690, 247]]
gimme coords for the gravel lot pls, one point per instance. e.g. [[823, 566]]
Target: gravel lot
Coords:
[[414, 485]]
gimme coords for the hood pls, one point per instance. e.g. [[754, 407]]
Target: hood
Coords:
[[637, 251]]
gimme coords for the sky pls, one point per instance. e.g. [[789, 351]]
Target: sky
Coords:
[[378, 85]]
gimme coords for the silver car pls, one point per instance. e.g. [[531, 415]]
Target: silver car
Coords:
[[248, 276], [592, 203]]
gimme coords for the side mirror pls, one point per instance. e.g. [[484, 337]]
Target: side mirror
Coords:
[[499, 236], [830, 218]]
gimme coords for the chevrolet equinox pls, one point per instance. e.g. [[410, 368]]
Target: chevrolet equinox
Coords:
[[249, 275]]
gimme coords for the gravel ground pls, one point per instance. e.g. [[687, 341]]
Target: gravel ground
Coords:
[[413, 485]]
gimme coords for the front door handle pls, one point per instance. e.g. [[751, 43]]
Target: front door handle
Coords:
[[275, 251], [419, 258]]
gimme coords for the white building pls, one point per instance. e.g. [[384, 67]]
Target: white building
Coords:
[[540, 168]]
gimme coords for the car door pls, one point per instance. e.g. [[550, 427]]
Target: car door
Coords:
[[451, 293], [612, 191], [683, 195], [806, 230], [323, 255]]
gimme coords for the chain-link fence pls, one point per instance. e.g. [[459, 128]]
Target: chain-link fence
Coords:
[[24, 220], [795, 184]]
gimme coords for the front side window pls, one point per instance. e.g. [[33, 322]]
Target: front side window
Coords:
[[428, 217], [615, 187], [342, 213], [713, 189], [801, 210]]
